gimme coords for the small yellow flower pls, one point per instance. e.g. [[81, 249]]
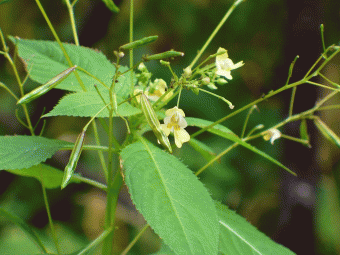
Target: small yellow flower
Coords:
[[224, 64], [175, 122], [272, 134], [159, 88]]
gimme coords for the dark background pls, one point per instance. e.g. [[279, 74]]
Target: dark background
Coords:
[[301, 212]]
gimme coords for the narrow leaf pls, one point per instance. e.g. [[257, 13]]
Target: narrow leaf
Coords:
[[239, 237], [24, 227], [46, 87], [171, 198], [327, 132], [49, 176], [72, 163], [304, 132], [87, 104], [228, 134], [18, 152], [111, 5], [44, 60]]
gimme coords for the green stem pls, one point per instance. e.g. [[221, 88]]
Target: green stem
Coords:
[[128, 248], [292, 102], [97, 241], [73, 23], [226, 16], [246, 121]]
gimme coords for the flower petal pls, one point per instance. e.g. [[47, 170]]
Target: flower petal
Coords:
[[181, 136]]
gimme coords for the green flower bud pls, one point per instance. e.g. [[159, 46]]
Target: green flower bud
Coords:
[[221, 81], [139, 43]]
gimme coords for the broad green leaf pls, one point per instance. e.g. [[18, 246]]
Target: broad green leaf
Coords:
[[239, 237], [171, 198], [44, 60], [228, 134], [202, 148], [87, 104], [24, 227], [165, 250], [18, 152], [49, 176], [111, 5]]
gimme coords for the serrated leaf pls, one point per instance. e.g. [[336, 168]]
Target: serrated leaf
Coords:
[[228, 134], [49, 176], [171, 198], [203, 149], [24, 227], [18, 152], [239, 237], [110, 4], [45, 59], [87, 104]]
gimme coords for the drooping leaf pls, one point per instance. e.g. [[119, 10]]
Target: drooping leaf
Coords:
[[239, 237], [18, 152], [171, 198], [203, 149], [24, 227], [228, 134], [49, 176], [87, 104], [44, 60], [111, 5]]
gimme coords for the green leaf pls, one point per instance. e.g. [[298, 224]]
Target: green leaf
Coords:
[[171, 198], [110, 4], [24, 227], [203, 149], [87, 104], [228, 134], [327, 132], [49, 176], [165, 250], [304, 132], [237, 236], [44, 60], [18, 152]]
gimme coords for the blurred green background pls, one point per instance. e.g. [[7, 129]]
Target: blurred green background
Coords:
[[301, 213]]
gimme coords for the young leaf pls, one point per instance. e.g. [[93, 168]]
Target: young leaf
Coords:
[[44, 60], [87, 104], [239, 237], [18, 152], [72, 163], [171, 198], [327, 132], [304, 131], [228, 134], [49, 176], [24, 227]]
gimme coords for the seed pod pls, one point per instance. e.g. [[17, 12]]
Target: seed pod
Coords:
[[153, 121], [327, 132], [167, 54], [139, 43], [72, 163], [46, 87]]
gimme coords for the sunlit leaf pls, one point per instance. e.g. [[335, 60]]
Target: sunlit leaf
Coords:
[[18, 152], [171, 198], [87, 104], [239, 237]]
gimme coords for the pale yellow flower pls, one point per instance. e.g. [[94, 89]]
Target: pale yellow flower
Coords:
[[224, 64], [272, 134], [175, 122], [159, 88]]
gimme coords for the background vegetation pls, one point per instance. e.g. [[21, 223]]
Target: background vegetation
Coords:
[[301, 213]]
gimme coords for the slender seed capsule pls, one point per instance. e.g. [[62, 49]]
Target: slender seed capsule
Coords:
[[153, 121], [46, 87], [327, 132], [139, 43], [163, 55], [72, 163]]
